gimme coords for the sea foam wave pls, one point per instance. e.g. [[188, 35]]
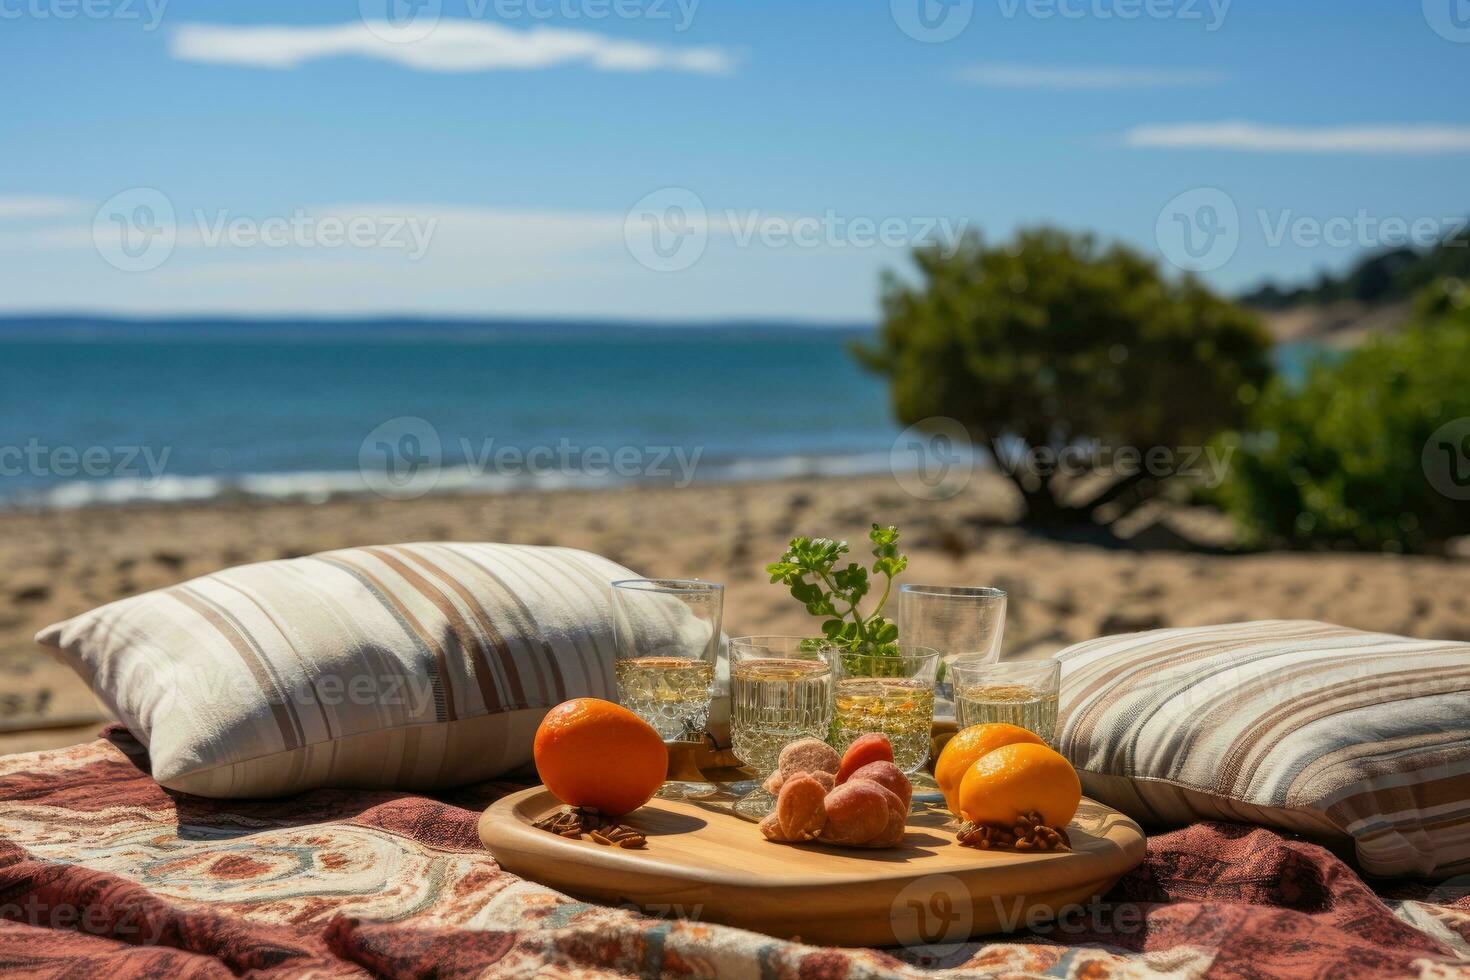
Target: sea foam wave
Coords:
[[317, 486]]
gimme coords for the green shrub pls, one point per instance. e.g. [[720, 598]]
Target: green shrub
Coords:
[[1339, 460], [1052, 341]]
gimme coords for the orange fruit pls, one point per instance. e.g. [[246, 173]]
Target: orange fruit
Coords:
[[1013, 779], [591, 752], [968, 745]]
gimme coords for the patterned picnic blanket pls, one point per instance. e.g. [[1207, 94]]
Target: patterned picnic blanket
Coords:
[[102, 873]]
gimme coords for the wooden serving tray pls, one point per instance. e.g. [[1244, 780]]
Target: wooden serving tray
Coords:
[[703, 862]]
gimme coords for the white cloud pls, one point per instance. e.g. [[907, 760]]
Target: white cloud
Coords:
[[1044, 77], [1252, 137], [479, 261], [36, 206], [452, 46]]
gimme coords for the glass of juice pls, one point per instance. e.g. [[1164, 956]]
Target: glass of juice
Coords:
[[781, 690], [1017, 692], [892, 694], [667, 635]]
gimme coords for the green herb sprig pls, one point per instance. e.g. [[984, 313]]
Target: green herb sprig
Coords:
[[809, 569]]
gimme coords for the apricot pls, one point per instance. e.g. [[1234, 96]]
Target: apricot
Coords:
[[892, 835], [890, 777], [858, 813], [808, 755], [770, 826], [801, 808], [872, 747]]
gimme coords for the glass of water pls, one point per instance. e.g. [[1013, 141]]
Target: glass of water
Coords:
[[780, 692], [1017, 692], [959, 621], [667, 634]]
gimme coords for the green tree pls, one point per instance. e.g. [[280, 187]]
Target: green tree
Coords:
[[1350, 457], [1053, 341]]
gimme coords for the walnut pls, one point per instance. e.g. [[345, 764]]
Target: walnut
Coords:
[[1028, 834], [573, 822]]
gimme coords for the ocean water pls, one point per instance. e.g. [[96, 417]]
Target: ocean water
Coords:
[[117, 415]]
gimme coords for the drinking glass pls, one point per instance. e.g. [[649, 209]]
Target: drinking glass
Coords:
[[892, 694], [1018, 692], [667, 634], [779, 693], [958, 621]]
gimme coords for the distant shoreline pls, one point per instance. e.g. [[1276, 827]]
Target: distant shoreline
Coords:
[[85, 328]]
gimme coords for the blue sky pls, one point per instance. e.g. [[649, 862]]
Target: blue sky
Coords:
[[506, 157]]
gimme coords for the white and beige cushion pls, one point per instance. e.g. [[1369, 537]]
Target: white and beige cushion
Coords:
[[1334, 733], [408, 666]]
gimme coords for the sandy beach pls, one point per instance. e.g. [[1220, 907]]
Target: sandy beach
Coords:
[[64, 562]]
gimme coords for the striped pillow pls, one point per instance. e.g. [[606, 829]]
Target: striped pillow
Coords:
[[1337, 734], [409, 666]]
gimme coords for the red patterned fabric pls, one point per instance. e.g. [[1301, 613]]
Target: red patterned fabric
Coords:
[[103, 873]]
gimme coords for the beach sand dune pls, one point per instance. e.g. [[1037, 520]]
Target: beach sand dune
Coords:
[[61, 563]]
